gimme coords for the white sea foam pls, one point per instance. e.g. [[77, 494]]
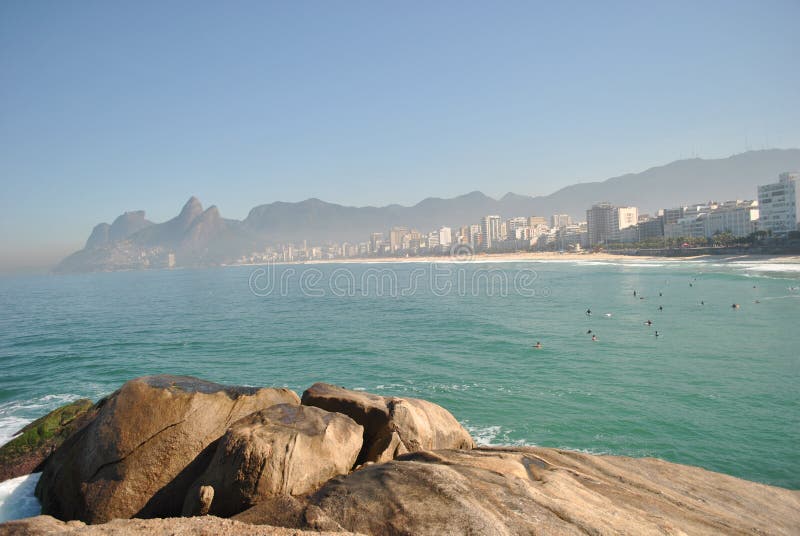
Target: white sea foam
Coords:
[[17, 499], [486, 436], [16, 495], [769, 267], [9, 426]]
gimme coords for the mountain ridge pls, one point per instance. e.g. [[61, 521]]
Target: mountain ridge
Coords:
[[200, 237]]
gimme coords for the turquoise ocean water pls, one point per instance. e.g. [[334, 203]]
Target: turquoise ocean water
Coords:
[[719, 388]]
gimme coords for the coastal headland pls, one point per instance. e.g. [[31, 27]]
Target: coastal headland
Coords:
[[179, 455]]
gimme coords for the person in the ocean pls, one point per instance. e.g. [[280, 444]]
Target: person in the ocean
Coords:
[[537, 345], [691, 285], [634, 293], [649, 323], [660, 294], [656, 333], [702, 302], [589, 332], [594, 337], [735, 305], [588, 312], [660, 308]]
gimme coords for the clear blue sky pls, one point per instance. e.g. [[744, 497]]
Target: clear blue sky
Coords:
[[109, 106]]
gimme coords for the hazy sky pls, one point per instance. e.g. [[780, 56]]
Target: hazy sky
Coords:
[[109, 106]]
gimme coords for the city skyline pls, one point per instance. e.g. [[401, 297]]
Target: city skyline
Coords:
[[200, 237]]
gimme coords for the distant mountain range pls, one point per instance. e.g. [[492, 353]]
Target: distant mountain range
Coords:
[[199, 237]]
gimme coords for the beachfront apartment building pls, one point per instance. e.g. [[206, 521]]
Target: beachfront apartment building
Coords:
[[778, 204], [704, 221], [490, 231], [396, 235], [604, 221], [445, 236], [558, 221]]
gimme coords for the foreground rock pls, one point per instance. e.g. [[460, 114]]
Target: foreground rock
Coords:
[[392, 426], [148, 443], [283, 450], [210, 526], [546, 491], [27, 452]]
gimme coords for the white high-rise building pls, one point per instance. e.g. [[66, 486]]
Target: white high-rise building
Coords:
[[778, 204], [490, 230], [445, 236], [560, 220]]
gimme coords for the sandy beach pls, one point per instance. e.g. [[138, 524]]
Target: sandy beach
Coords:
[[546, 256]]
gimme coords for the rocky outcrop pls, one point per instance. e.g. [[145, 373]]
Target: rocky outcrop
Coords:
[[185, 526], [154, 448], [149, 442], [282, 450], [392, 426], [547, 491], [33, 444]]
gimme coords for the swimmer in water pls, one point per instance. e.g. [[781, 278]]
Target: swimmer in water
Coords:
[[660, 294], [537, 345], [589, 332], [634, 293], [649, 323], [735, 306], [594, 337], [702, 302], [656, 333], [660, 308], [588, 312]]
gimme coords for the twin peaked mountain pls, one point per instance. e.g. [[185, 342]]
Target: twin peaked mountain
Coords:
[[195, 237], [198, 237]]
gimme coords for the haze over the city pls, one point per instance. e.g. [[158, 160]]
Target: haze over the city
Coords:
[[106, 108]]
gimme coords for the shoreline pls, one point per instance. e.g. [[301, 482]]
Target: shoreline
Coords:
[[545, 257]]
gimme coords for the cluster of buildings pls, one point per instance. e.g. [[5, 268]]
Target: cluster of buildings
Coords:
[[775, 213]]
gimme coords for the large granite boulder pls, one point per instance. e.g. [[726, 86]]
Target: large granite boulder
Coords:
[[282, 450], [27, 452], [547, 491], [392, 425], [148, 443]]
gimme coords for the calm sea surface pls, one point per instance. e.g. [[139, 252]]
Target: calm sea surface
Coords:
[[719, 387]]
